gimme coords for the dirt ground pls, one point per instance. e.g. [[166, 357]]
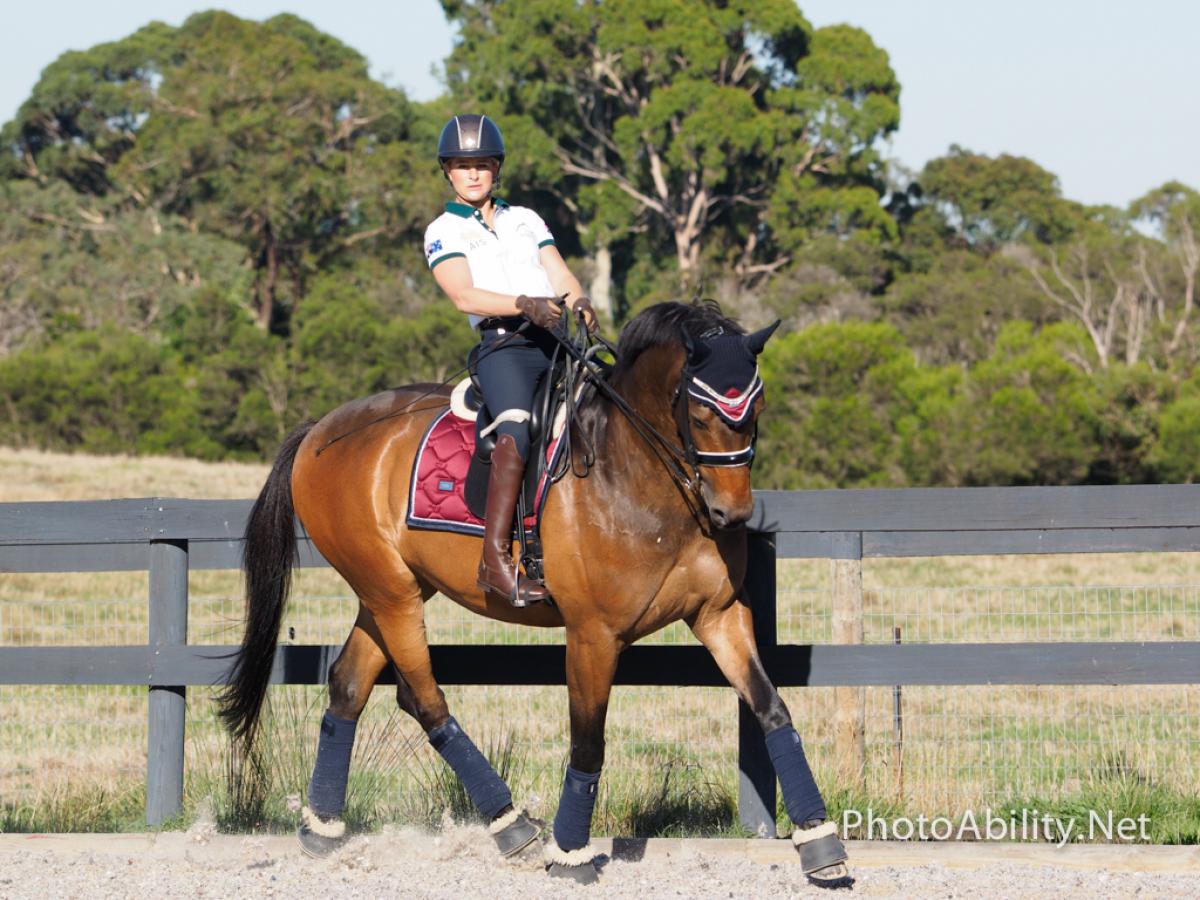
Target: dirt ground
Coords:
[[461, 864]]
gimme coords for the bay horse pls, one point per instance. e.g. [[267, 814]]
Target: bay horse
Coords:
[[663, 504]]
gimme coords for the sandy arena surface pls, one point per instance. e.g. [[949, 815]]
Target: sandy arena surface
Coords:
[[460, 863]]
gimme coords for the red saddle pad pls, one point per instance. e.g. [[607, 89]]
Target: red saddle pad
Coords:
[[437, 499]]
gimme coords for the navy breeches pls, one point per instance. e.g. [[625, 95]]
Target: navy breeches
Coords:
[[507, 368]]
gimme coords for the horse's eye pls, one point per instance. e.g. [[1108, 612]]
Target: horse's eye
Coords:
[[699, 423]]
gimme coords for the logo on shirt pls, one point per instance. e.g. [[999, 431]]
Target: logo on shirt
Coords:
[[432, 248]]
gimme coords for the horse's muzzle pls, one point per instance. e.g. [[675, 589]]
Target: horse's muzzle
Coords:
[[726, 512]]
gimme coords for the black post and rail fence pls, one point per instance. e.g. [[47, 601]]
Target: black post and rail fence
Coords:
[[168, 538]]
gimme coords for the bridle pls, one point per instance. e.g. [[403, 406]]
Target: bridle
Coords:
[[682, 460], [683, 421]]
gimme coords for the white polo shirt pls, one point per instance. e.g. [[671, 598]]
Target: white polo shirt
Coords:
[[504, 260]]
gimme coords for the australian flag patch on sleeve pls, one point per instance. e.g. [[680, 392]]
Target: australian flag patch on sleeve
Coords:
[[432, 248]]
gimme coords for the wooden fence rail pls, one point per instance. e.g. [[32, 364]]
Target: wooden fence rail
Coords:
[[169, 537]]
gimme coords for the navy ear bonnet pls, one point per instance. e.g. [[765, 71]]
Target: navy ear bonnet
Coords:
[[724, 372]]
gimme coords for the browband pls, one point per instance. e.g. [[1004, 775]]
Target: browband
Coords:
[[733, 409]]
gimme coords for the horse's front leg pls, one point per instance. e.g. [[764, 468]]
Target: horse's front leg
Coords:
[[591, 664], [728, 633]]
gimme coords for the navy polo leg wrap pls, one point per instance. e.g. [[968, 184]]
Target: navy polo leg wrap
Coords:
[[573, 821], [800, 793], [327, 790], [489, 794]]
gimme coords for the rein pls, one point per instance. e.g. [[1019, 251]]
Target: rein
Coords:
[[675, 454]]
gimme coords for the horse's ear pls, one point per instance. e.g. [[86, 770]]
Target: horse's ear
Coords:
[[755, 342], [697, 352]]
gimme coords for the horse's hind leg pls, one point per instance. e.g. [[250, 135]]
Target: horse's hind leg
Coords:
[[728, 633], [402, 630], [351, 678]]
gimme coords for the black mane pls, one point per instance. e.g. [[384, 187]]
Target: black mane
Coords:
[[665, 323]]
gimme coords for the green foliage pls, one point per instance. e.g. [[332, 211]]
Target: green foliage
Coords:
[[85, 111], [269, 134], [955, 309], [106, 391], [832, 395], [851, 407], [69, 262], [1174, 455], [346, 344], [993, 201], [675, 123], [1030, 415], [209, 232]]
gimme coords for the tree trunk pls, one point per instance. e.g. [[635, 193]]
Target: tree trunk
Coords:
[[267, 280], [600, 289], [687, 253]]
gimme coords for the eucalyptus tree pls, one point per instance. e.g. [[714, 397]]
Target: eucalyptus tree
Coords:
[[271, 134], [727, 132]]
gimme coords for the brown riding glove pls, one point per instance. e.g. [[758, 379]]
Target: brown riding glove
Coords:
[[541, 311], [584, 305]]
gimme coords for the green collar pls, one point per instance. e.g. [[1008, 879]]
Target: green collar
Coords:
[[462, 209]]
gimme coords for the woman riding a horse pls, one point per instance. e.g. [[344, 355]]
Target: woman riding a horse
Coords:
[[663, 505], [498, 263]]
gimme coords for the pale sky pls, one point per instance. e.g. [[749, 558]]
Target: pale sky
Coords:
[[1102, 93]]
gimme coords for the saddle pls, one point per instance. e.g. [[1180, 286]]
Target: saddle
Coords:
[[452, 467], [467, 403]]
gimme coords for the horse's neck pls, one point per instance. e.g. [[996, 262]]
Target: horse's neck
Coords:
[[630, 467]]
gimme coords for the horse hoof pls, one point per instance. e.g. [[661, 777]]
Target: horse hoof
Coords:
[[577, 865], [320, 839], [584, 873], [513, 832], [834, 876], [822, 855]]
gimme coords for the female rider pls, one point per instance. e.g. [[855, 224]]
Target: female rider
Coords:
[[498, 263]]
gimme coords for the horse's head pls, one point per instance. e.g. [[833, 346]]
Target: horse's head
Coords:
[[717, 404]]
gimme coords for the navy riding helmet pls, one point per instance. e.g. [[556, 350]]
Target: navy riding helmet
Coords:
[[470, 137]]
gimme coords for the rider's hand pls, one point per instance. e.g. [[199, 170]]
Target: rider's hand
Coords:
[[541, 311], [583, 306]]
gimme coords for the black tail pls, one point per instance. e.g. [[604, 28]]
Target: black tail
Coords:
[[268, 554]]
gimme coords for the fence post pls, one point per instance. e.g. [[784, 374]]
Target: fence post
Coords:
[[850, 714], [168, 625], [756, 774]]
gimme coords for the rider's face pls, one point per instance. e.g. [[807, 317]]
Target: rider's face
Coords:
[[472, 179]]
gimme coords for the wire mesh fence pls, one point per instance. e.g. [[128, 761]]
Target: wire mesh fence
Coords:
[[960, 747]]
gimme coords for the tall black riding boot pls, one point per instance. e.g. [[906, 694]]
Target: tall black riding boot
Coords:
[[497, 571]]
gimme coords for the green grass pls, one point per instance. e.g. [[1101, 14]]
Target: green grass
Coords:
[[1174, 816], [116, 807]]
